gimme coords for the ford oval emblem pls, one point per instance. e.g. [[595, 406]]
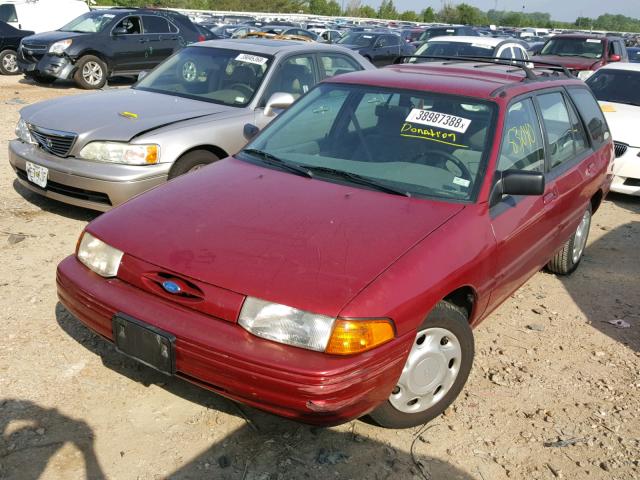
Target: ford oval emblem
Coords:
[[171, 287]]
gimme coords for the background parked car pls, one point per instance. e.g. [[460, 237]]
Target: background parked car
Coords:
[[41, 15], [452, 30], [329, 36], [98, 150], [379, 48], [583, 53], [284, 31], [9, 41], [103, 43], [617, 88], [473, 47], [633, 54]]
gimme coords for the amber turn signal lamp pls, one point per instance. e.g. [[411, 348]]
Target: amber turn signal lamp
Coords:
[[356, 336]]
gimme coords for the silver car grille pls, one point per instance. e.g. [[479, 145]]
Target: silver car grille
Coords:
[[53, 141], [620, 148]]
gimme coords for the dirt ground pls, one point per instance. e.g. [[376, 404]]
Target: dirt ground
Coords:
[[554, 392]]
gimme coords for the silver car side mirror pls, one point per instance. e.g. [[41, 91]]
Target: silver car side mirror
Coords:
[[278, 101]]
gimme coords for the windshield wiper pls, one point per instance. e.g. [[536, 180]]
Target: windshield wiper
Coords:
[[355, 178], [270, 159]]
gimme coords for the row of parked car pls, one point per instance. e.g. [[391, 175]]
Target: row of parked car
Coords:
[[311, 255]]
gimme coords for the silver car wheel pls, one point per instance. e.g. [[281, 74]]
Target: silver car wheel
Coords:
[[189, 71], [10, 63], [431, 369], [580, 238], [92, 73]]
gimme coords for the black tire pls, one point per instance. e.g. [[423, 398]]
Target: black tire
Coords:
[[192, 161], [565, 261], [8, 65], [44, 79], [91, 73], [443, 316]]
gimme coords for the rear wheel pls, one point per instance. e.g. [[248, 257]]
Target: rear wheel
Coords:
[[435, 371], [191, 162], [9, 62], [568, 258], [91, 73]]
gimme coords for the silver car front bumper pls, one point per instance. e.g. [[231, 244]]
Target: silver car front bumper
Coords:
[[94, 185]]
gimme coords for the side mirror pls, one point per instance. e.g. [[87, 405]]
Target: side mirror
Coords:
[[615, 58], [250, 131], [517, 182], [278, 101], [119, 31], [143, 74]]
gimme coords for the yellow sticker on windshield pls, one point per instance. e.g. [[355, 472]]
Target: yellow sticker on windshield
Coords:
[[448, 138], [128, 115], [608, 108]]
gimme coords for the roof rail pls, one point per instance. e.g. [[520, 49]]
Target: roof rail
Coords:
[[512, 62]]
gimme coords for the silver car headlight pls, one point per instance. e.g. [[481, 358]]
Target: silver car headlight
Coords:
[[584, 74], [23, 133], [99, 257], [59, 47], [116, 152], [285, 324]]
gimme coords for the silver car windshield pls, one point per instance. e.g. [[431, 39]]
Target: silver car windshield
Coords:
[[416, 142], [228, 77]]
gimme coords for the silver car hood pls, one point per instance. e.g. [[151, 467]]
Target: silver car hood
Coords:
[[117, 115]]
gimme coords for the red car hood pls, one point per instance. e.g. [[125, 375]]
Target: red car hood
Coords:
[[574, 63], [302, 242]]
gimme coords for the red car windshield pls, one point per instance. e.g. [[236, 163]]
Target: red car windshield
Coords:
[[418, 143], [574, 47]]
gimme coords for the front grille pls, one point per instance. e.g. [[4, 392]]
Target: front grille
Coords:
[[68, 191], [53, 141], [621, 148], [32, 51], [34, 47], [632, 182]]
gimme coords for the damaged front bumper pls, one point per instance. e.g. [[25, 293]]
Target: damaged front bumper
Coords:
[[37, 63]]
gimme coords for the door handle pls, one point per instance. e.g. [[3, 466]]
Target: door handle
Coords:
[[549, 197], [143, 40]]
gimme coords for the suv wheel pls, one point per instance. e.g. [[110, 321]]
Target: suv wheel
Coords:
[[9, 62], [191, 162], [91, 73], [436, 369], [568, 258]]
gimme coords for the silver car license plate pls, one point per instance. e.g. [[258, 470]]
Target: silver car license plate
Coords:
[[37, 174]]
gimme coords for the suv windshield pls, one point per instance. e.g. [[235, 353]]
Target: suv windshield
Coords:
[[228, 77], [453, 49], [619, 86], [436, 32], [90, 22], [574, 47], [360, 39], [418, 143]]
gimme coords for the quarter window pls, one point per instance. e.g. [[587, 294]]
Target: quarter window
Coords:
[[591, 114], [522, 145]]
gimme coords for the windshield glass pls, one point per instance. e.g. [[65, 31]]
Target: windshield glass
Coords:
[[228, 77], [574, 47], [361, 39], [453, 49], [91, 22], [422, 143], [619, 86], [436, 32]]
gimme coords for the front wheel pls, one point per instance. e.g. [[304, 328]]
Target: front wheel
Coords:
[[435, 371], [9, 62], [91, 73], [192, 161], [567, 259]]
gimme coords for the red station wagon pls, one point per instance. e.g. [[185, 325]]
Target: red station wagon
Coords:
[[335, 267]]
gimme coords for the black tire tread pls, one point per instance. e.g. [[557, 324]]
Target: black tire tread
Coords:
[[77, 76], [562, 262], [191, 159]]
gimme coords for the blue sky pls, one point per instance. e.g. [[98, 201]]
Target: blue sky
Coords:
[[566, 10]]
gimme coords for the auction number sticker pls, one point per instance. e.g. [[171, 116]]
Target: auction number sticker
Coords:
[[255, 59], [437, 119]]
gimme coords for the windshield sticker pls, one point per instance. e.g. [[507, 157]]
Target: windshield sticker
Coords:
[[450, 30], [255, 59], [608, 108], [437, 119], [521, 138], [461, 182], [593, 40], [367, 36], [108, 15], [448, 138], [480, 45]]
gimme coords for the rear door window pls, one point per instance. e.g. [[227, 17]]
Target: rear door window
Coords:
[[522, 144], [156, 24], [591, 115]]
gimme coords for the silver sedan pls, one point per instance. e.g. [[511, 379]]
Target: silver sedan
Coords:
[[200, 105]]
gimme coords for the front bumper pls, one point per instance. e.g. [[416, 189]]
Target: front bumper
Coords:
[[61, 67], [221, 356], [626, 172], [95, 185]]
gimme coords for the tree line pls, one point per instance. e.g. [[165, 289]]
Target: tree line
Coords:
[[460, 14]]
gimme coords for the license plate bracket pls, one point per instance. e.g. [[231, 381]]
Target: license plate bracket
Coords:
[[145, 343]]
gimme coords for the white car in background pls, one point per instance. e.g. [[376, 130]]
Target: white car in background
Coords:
[[463, 46], [617, 88]]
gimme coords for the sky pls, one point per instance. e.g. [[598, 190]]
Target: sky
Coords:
[[567, 10]]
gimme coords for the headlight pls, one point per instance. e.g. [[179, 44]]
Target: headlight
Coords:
[[115, 152], [60, 46], [584, 74], [99, 257], [23, 133], [299, 328]]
